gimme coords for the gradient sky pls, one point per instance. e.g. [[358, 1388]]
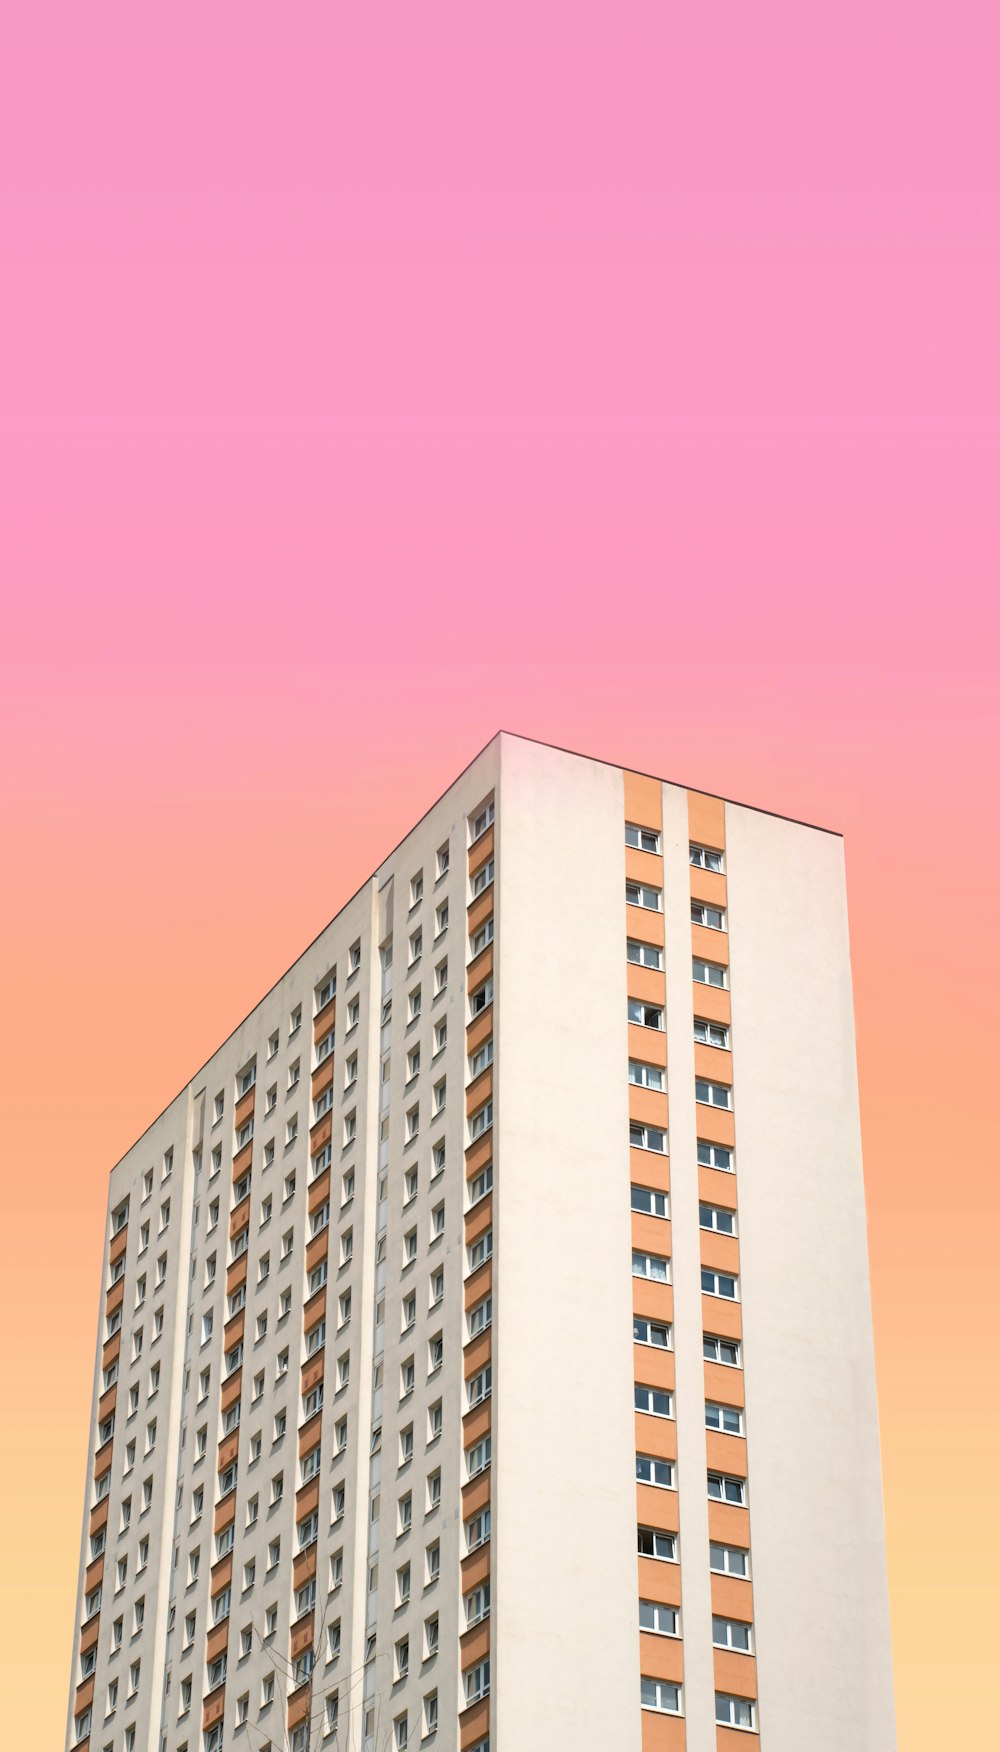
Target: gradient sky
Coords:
[[626, 376]]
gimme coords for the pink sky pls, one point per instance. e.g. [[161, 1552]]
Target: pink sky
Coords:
[[369, 379]]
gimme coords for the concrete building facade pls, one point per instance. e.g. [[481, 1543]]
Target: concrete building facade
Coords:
[[485, 1354]]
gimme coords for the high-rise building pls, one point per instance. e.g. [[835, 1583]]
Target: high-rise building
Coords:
[[485, 1351]]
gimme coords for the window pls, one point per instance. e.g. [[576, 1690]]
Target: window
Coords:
[[719, 1220], [713, 1094], [647, 1137], [441, 977], [478, 1457], [726, 1418], [715, 1156], [711, 1033], [431, 1712], [481, 939], [481, 1120], [440, 1095], [732, 1633], [712, 917], [721, 1350], [708, 973], [646, 1076], [406, 1445], [437, 1286], [220, 1104], [481, 1185], [651, 1542], [652, 1266], [649, 1202], [653, 1400], [434, 1422], [324, 1048], [443, 859], [435, 1353], [326, 991], [640, 894], [354, 956], [480, 1249], [644, 954], [660, 1620], [477, 1682], [482, 997], [479, 1386], [659, 1694], [720, 1283], [654, 1332], [645, 1015], [437, 1160], [723, 1489], [477, 1530], [482, 878], [295, 1021], [482, 820], [353, 1014], [704, 858], [416, 946], [403, 1584], [735, 1712], [480, 1316], [650, 1470], [409, 1312], [642, 839], [728, 1560]]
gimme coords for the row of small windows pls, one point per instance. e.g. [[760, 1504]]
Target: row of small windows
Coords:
[[647, 839], [641, 894], [665, 1697]]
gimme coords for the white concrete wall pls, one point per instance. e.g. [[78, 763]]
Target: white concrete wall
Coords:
[[565, 1613], [820, 1601]]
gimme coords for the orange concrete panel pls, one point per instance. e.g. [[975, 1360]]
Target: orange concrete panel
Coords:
[[659, 1581], [476, 1496], [734, 1739], [655, 1507], [643, 1165], [710, 945], [232, 1332], [662, 1733], [302, 1634], [84, 1695], [479, 1090], [102, 1459], [723, 1318], [478, 1284], [721, 1252], [225, 1512], [479, 911], [645, 867], [655, 1435], [476, 1424], [479, 1030], [307, 1499], [651, 1234], [482, 851], [237, 1274], [232, 1387], [242, 1160], [228, 1450], [717, 1187], [645, 983], [732, 1598], [111, 1350], [239, 1218], [709, 886], [222, 1574], [661, 1657], [314, 1306], [90, 1633], [119, 1243], [244, 1109], [298, 1705], [478, 1154], [712, 1004], [304, 1567], [645, 925], [643, 800], [324, 1020], [478, 1220], [115, 1296], [650, 1373], [715, 1125], [654, 1301], [474, 1723], [475, 1569], [735, 1673], [477, 1354], [707, 820], [312, 1373], [92, 1574], [713, 1062], [648, 1108], [319, 1190], [726, 1453], [214, 1707], [320, 1134], [481, 968], [723, 1384], [310, 1433], [649, 1045], [474, 1645], [107, 1402], [728, 1525], [322, 1077], [99, 1515], [317, 1249]]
